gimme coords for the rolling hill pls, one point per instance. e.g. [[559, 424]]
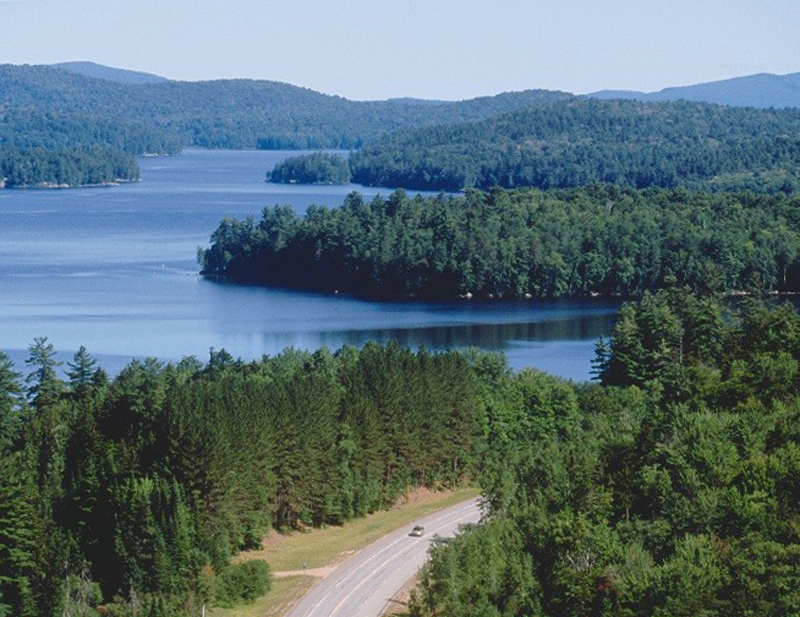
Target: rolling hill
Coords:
[[235, 113], [583, 141]]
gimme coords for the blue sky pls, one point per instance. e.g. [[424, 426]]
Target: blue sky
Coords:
[[448, 49]]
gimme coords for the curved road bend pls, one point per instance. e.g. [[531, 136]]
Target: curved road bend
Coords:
[[364, 584]]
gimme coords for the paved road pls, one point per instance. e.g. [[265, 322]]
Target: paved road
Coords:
[[362, 586]]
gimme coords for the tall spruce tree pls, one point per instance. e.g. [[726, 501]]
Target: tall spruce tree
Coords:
[[10, 401], [82, 370], [43, 381]]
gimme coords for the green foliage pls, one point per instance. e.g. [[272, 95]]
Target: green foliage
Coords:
[[581, 141], [153, 535], [10, 399], [45, 112], [147, 605], [680, 344], [243, 582], [86, 166], [513, 244], [44, 105], [44, 383], [673, 493], [17, 539], [83, 596], [670, 488], [134, 494], [494, 559], [317, 168]]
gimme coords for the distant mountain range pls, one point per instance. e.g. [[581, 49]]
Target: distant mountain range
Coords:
[[120, 76], [761, 90]]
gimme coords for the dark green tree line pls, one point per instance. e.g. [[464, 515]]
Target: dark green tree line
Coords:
[[513, 244], [21, 167]]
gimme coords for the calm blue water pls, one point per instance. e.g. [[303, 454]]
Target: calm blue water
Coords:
[[114, 269]]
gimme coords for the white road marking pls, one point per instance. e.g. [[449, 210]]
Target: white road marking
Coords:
[[378, 569], [445, 519]]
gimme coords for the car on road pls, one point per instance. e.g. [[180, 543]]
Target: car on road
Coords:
[[418, 531]]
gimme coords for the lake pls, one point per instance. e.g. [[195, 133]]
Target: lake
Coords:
[[115, 269]]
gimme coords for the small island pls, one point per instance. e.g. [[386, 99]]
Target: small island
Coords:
[[317, 168], [65, 168]]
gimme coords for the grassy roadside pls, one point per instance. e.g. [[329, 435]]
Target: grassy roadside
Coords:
[[284, 593], [321, 547]]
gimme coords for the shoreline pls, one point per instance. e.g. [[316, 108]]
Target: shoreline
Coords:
[[466, 297], [53, 186]]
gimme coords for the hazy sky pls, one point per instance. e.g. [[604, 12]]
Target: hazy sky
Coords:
[[436, 48]]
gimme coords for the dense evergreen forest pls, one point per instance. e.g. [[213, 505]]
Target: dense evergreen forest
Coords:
[[513, 244], [317, 168], [581, 141], [670, 490], [134, 492], [26, 167]]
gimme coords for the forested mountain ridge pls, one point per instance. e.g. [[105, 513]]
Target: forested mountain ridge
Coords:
[[581, 141], [48, 109], [760, 90], [237, 113], [531, 138]]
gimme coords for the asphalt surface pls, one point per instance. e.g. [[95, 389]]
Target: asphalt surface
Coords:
[[364, 584]]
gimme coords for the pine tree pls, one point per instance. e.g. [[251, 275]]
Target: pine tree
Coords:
[[9, 402], [601, 360], [81, 371], [17, 540], [44, 385]]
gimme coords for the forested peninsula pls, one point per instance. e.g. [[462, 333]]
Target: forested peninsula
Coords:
[[670, 486], [520, 243]]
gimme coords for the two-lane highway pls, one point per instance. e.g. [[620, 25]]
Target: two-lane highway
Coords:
[[363, 585]]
